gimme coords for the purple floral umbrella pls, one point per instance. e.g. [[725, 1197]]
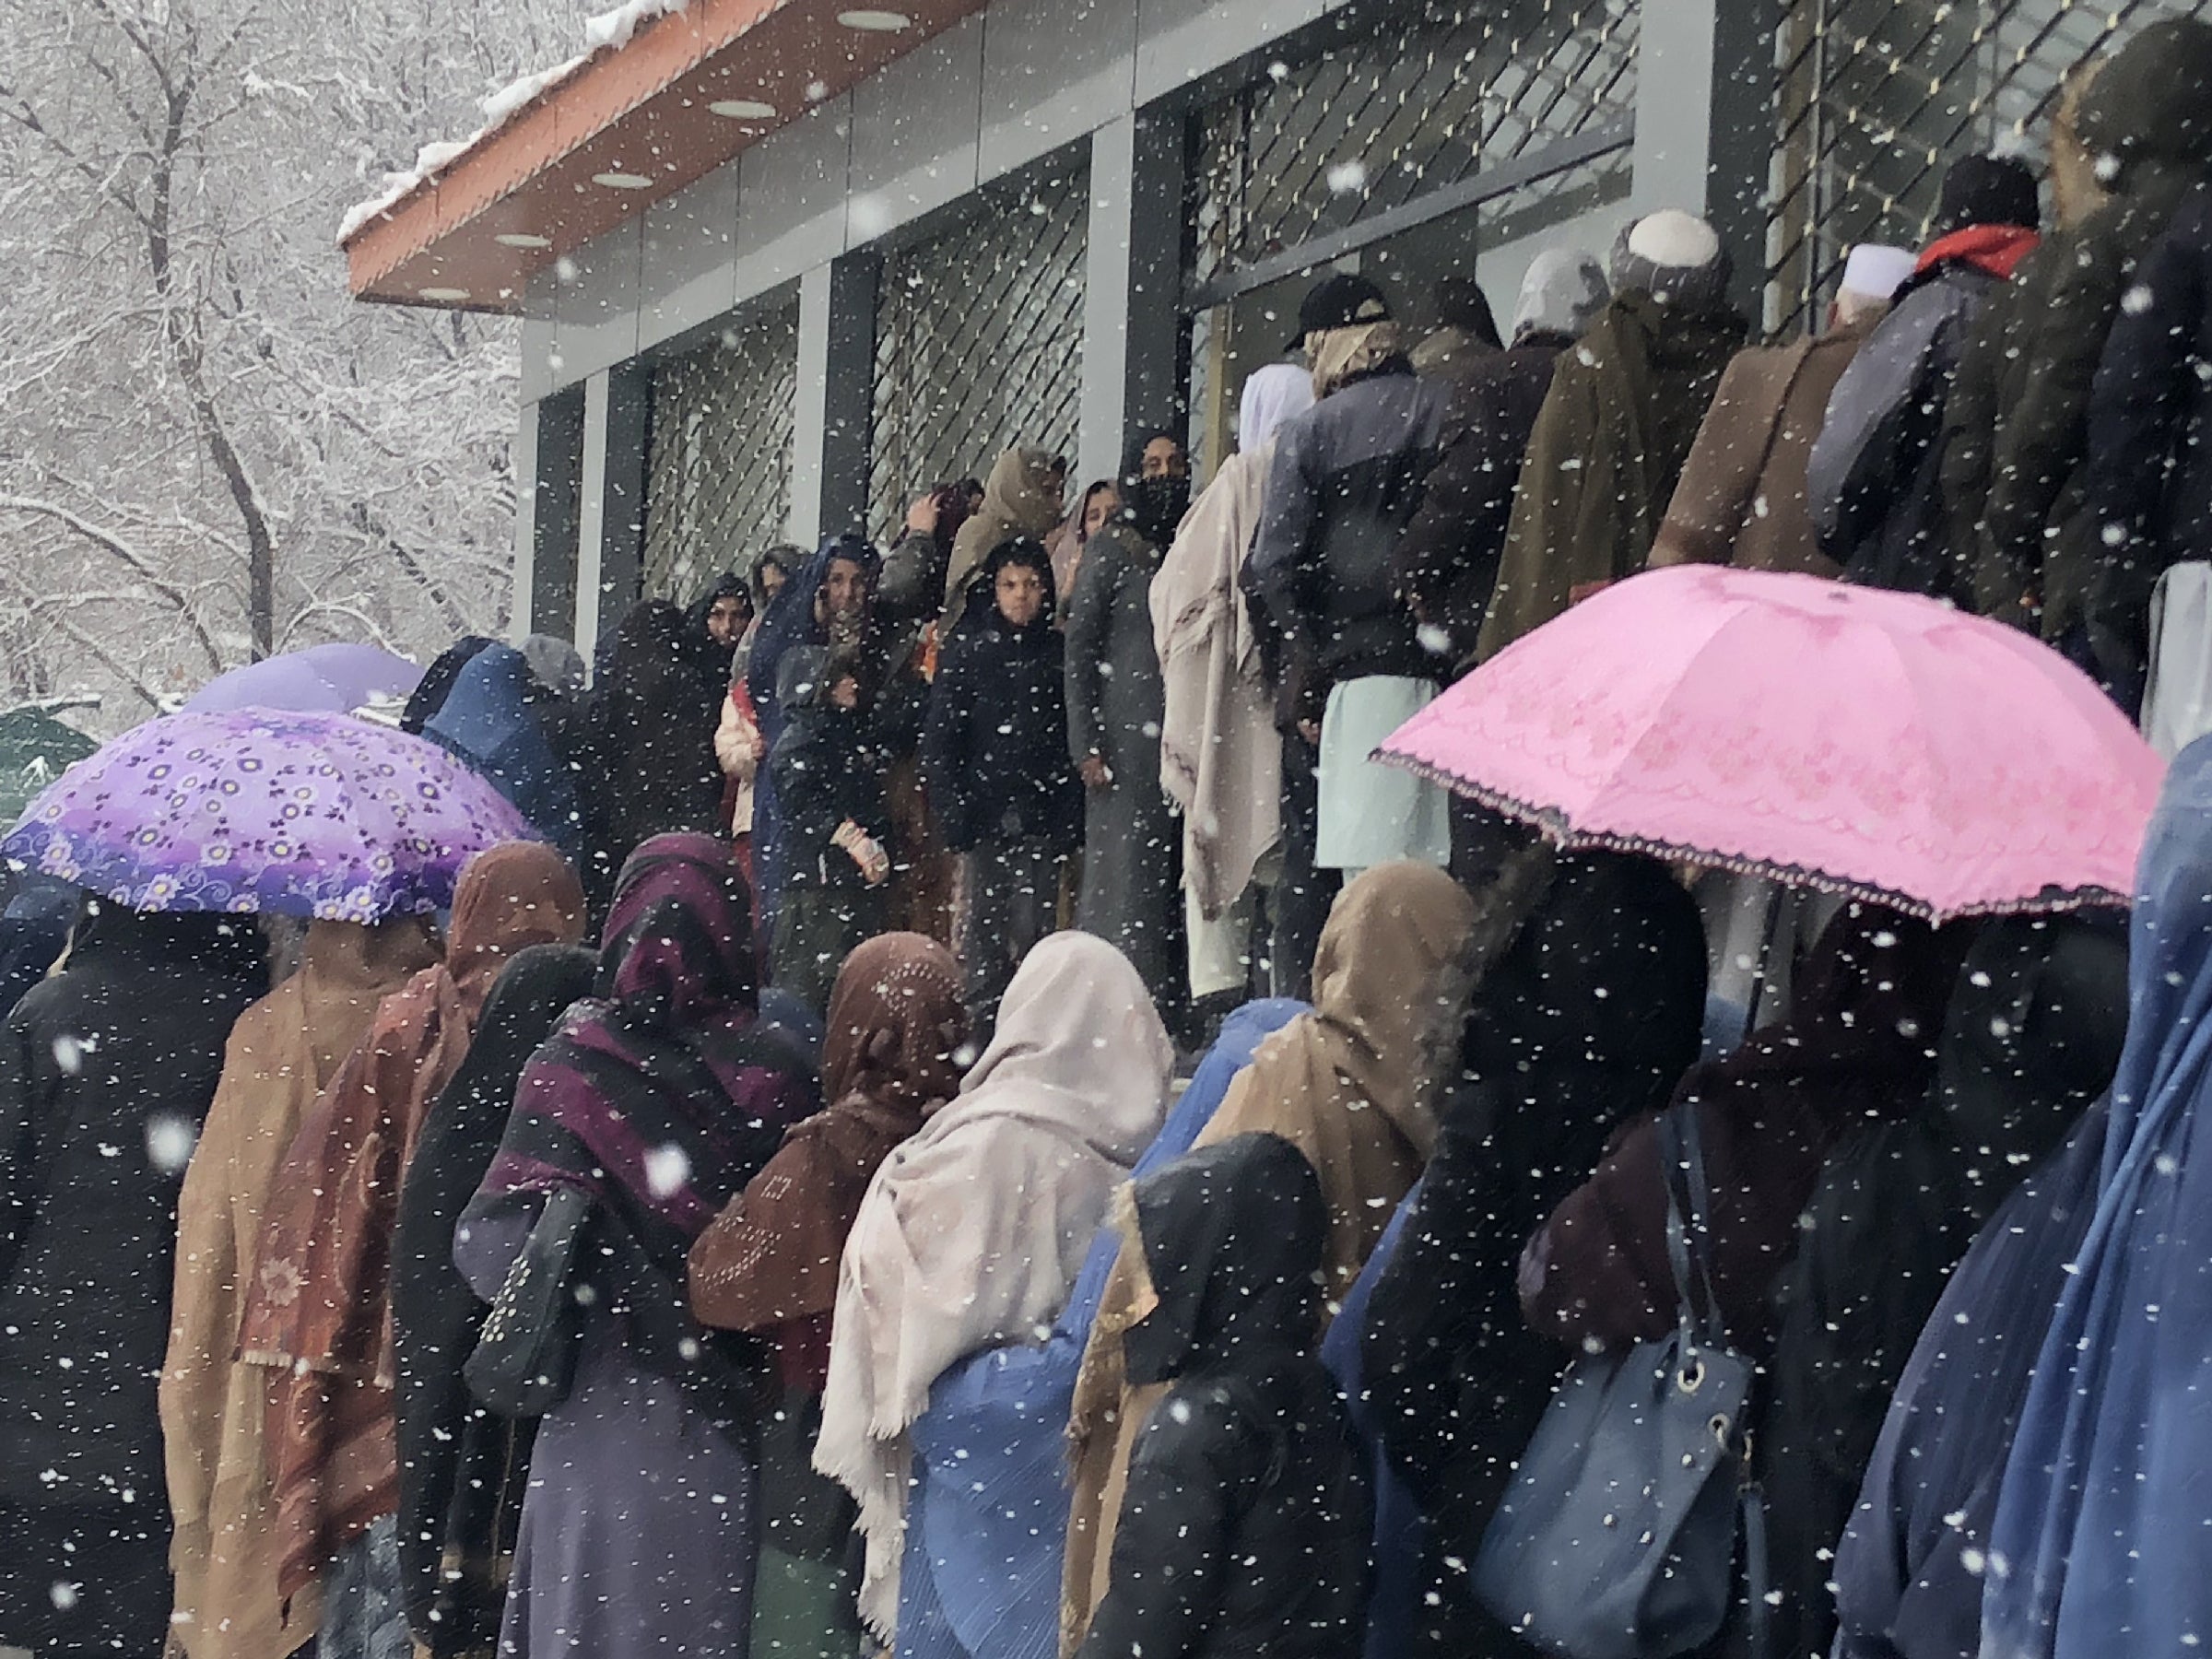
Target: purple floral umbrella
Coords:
[[261, 810]]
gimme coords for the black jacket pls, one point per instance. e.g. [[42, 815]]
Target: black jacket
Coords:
[[1346, 481], [2031, 1036], [2150, 477], [994, 752], [1448, 557], [461, 1468], [1457, 1381], [829, 767], [1873, 480], [1246, 1523], [106, 1072]]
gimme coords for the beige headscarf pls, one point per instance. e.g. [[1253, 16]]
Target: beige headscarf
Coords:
[[1019, 499], [972, 1232], [1344, 354], [283, 1052], [1340, 1084]]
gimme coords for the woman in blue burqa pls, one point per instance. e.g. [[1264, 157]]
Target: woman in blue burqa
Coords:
[[2103, 1516]]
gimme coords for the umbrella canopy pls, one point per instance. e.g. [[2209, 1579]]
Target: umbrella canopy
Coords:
[[35, 749], [264, 810], [1867, 742], [333, 678]]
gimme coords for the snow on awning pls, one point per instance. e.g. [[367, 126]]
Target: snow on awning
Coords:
[[665, 92]]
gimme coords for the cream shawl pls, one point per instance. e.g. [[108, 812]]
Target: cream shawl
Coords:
[[972, 1231]]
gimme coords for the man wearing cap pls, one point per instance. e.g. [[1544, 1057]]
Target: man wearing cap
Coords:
[[1875, 481], [1348, 662], [1742, 498], [1616, 426]]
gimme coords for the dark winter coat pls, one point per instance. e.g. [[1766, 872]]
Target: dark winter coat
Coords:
[[2032, 1035], [461, 1468], [1448, 557], [1542, 1071], [1873, 482], [994, 752], [1346, 481], [828, 768], [2150, 113], [2150, 435], [1245, 1526], [1859, 1044], [106, 1073], [1608, 448]]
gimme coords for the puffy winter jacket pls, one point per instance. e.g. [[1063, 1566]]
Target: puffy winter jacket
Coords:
[[1347, 480], [994, 752], [1873, 483]]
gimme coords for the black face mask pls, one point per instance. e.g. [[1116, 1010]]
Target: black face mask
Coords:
[[1156, 506]]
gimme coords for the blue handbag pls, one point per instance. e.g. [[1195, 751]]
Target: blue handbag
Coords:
[[1618, 1537]]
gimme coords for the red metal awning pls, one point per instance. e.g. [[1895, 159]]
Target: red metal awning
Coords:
[[630, 127]]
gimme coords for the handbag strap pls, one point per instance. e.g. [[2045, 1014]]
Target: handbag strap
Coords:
[[1688, 1213]]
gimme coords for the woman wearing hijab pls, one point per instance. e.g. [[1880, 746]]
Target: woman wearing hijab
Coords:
[[987, 1516], [1245, 1526], [1339, 1085], [1220, 758], [2032, 1036], [769, 1263], [973, 1235], [91, 1157], [1099, 506], [656, 1100], [1859, 1045], [461, 1468], [1131, 847], [316, 1317], [1578, 1002], [34, 931], [283, 1052], [2102, 1510], [491, 721], [646, 741]]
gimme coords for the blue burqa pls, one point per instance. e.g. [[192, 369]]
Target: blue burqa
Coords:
[[486, 723], [986, 1523], [1909, 1570], [2104, 1519]]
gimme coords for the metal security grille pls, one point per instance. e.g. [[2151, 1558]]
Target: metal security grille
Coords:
[[1875, 96], [718, 485], [979, 340], [1410, 106]]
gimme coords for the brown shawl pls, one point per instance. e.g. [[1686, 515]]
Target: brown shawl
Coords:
[[282, 1052], [318, 1310], [1342, 1084], [891, 1058], [1018, 500]]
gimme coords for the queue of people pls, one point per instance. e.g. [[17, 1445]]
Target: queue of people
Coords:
[[1056, 1151]]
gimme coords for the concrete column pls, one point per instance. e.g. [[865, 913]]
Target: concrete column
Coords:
[[833, 420], [1133, 341], [1704, 120], [548, 467], [611, 511]]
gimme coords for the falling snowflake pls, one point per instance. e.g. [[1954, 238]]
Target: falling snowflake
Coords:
[[1348, 178], [667, 1170]]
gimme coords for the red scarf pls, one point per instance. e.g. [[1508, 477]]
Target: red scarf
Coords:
[[1996, 249]]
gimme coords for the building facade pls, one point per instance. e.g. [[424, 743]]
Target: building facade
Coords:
[[1047, 222]]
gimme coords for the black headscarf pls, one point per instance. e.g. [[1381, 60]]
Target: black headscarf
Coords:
[[459, 1467], [437, 682], [714, 656], [1154, 506], [1232, 1238]]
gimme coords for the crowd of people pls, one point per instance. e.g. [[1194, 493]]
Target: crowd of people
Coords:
[[1056, 1151]]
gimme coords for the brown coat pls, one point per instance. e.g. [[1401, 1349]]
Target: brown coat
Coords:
[[1741, 501], [283, 1052]]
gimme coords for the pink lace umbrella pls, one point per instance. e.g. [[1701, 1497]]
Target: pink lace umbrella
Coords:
[[1841, 738]]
